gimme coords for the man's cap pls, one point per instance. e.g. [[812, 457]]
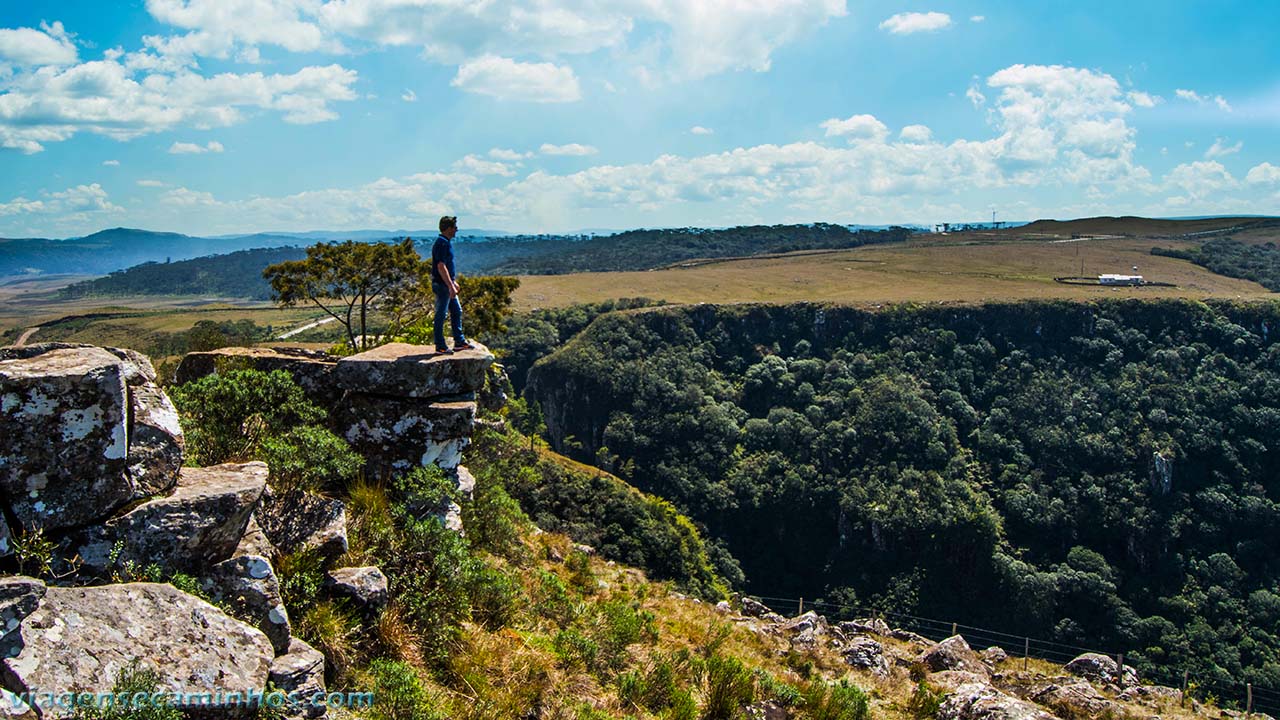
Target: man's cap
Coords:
[[448, 221]]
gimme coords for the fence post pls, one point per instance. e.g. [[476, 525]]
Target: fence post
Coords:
[[801, 610], [953, 628], [1026, 652], [1120, 668], [1248, 698], [1186, 674]]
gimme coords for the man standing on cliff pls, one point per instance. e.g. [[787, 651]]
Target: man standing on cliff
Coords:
[[444, 283]]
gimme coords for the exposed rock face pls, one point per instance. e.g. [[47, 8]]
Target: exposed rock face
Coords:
[[864, 626], [300, 670], [400, 434], [806, 629], [83, 431], [19, 596], [953, 654], [1102, 669], [1077, 699], [304, 521], [313, 371], [83, 637], [863, 652], [254, 541], [414, 371], [979, 701], [993, 655], [200, 523], [753, 608], [366, 587], [248, 585]]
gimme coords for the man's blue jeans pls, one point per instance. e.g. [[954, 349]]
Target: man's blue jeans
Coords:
[[450, 305]]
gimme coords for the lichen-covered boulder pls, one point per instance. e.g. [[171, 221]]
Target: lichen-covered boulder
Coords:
[[365, 587], [83, 431], [300, 673], [83, 637], [864, 626], [200, 523], [1102, 669], [863, 652], [299, 520], [312, 370], [414, 371], [396, 434], [19, 596], [1076, 699], [980, 701], [953, 654], [247, 584]]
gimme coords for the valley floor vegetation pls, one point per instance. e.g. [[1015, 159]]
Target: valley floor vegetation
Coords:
[[1100, 474]]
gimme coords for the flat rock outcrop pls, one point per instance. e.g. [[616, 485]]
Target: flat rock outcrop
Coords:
[[83, 637], [414, 371], [366, 587], [399, 434], [199, 523], [312, 370], [83, 432]]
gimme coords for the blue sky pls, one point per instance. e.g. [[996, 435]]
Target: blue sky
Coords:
[[224, 116]]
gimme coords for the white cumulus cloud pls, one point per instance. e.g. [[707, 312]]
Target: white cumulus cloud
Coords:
[[1220, 148], [1263, 174], [111, 163], [186, 148], [916, 133], [507, 79], [50, 45], [573, 149], [699, 130], [915, 22], [856, 127]]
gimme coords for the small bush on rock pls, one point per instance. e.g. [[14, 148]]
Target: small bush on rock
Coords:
[[309, 458], [227, 416]]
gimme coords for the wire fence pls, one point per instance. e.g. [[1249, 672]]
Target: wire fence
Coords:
[[1241, 694]]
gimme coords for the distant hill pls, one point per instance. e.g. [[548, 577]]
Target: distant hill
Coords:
[[115, 249], [237, 274], [1145, 227]]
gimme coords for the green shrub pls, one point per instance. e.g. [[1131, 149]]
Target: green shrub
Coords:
[[227, 416], [573, 649], [494, 520], [309, 458], [399, 693], [424, 489], [840, 701], [495, 597], [554, 601], [430, 573], [729, 686], [620, 626], [331, 629], [925, 702], [301, 577]]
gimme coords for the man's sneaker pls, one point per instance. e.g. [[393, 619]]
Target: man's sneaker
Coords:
[[444, 351], [464, 346]]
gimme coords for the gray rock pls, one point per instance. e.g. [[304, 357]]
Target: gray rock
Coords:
[[6, 538], [953, 654], [247, 584], [300, 670], [83, 637], [299, 520], [753, 608], [155, 440], [805, 629], [1076, 699], [254, 541], [200, 523], [908, 636], [313, 371], [414, 371], [863, 652], [993, 655], [864, 626], [466, 482], [396, 434], [1149, 694], [19, 597], [64, 436], [365, 587], [83, 431], [1102, 669], [980, 701]]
